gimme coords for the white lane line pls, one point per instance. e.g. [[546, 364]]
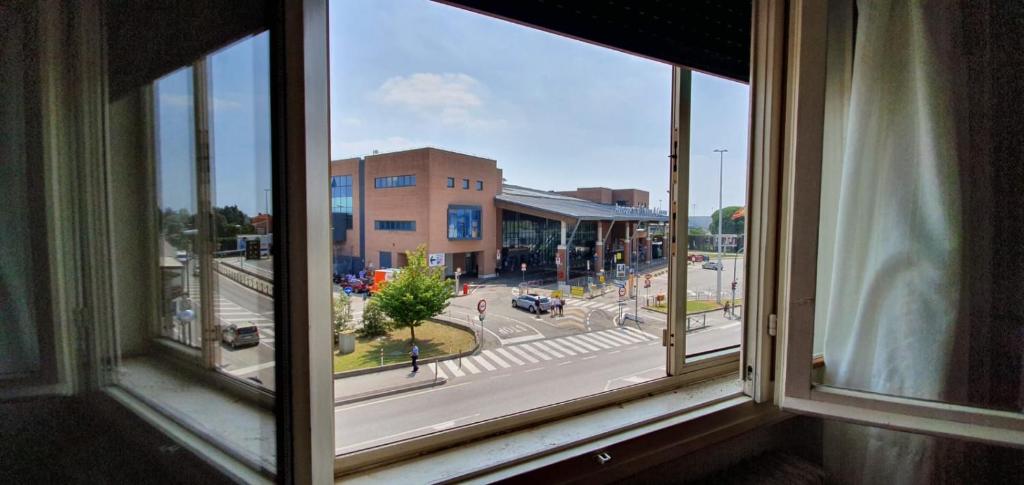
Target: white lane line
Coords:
[[594, 341], [607, 334], [439, 372], [565, 363], [567, 344], [469, 366], [561, 348], [583, 343], [494, 357], [623, 335], [591, 357], [533, 370], [523, 354], [640, 333], [549, 349], [251, 368], [454, 368], [508, 355], [535, 351], [602, 338], [483, 362]]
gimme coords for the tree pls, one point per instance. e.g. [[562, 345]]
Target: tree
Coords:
[[697, 231], [341, 314], [729, 226], [417, 293], [375, 323]]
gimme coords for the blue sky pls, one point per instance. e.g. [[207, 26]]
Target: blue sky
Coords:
[[554, 112]]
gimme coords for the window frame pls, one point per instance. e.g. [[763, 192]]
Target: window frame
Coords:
[[479, 185], [451, 183], [465, 184], [394, 181], [802, 160]]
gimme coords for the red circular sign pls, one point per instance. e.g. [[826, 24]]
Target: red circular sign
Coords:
[[481, 306]]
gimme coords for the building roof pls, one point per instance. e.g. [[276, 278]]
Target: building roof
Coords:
[[573, 207]]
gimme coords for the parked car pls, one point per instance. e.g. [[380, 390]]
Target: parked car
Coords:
[[715, 265], [239, 334], [532, 303], [358, 286], [181, 256]]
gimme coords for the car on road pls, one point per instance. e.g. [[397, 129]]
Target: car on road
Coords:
[[532, 303], [181, 256], [238, 334], [715, 265]]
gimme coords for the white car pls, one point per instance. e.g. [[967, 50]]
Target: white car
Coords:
[[715, 265]]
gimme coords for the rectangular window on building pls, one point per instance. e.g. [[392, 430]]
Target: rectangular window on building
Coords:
[[451, 182], [465, 184], [394, 225], [479, 185], [394, 181], [463, 222], [341, 205]]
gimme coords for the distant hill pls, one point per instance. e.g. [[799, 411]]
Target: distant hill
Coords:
[[701, 221]]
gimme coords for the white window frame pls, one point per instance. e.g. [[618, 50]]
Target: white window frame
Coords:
[[802, 159]]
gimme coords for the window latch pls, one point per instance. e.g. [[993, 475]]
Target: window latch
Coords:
[[603, 457], [773, 325]]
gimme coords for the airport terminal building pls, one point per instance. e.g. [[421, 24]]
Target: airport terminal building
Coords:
[[384, 205]]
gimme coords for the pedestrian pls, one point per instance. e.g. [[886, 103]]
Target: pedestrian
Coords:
[[415, 354], [726, 309], [561, 304]]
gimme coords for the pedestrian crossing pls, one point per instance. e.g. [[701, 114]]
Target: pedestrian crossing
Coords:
[[542, 351]]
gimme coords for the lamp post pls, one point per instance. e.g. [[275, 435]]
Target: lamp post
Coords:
[[721, 164]]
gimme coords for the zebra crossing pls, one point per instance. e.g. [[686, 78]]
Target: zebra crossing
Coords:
[[542, 351], [227, 312]]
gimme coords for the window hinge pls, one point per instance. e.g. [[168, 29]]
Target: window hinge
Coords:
[[773, 325], [666, 337]]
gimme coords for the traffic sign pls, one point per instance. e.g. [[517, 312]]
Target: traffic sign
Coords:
[[347, 290], [522, 267], [622, 291], [481, 306], [647, 283]]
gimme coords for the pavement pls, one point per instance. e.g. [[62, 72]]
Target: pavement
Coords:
[[385, 383]]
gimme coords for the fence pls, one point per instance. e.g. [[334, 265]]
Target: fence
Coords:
[[257, 283]]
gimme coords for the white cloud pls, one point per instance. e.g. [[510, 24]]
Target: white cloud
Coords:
[[454, 99]]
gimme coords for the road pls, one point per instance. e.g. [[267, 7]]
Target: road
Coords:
[[527, 362]]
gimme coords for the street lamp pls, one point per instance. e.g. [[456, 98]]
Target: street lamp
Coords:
[[721, 164]]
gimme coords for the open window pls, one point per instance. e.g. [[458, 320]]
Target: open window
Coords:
[[899, 304]]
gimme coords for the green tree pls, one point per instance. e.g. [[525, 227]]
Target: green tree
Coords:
[[697, 231], [417, 293], [729, 226], [375, 322]]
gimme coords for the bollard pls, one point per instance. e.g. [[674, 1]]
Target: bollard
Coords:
[[435, 372], [382, 356]]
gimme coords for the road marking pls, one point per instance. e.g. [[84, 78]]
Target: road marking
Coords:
[[602, 338], [594, 341], [483, 362], [453, 368], [508, 355], [591, 357], [533, 370], [569, 345], [615, 338], [535, 351], [624, 335], [243, 312], [251, 368], [549, 349], [439, 372], [640, 333], [582, 343], [469, 366], [523, 354], [496, 359], [557, 345], [565, 363]]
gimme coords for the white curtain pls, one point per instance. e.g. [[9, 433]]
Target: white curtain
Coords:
[[891, 316]]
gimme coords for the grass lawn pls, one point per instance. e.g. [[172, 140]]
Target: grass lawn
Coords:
[[692, 306], [434, 340]]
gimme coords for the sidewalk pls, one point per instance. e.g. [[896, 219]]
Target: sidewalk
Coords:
[[377, 384]]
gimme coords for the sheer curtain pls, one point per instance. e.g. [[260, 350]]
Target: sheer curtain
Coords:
[[921, 279]]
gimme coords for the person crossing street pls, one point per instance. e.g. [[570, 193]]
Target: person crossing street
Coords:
[[415, 354]]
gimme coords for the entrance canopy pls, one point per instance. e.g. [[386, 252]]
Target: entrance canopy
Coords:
[[563, 207]]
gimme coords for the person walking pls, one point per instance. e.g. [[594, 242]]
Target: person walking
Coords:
[[415, 354], [725, 309], [561, 305]]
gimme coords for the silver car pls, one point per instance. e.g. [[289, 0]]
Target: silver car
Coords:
[[715, 265], [238, 334], [532, 303]]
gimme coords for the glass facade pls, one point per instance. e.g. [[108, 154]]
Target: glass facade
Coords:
[[394, 181], [464, 222], [534, 241], [394, 225], [341, 205]]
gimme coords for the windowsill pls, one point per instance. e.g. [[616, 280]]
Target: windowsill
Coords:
[[509, 454], [241, 428]]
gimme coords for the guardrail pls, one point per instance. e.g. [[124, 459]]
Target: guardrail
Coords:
[[249, 280]]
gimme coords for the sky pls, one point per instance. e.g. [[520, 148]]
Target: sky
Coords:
[[555, 113]]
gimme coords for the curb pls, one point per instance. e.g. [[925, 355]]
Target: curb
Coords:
[[389, 391]]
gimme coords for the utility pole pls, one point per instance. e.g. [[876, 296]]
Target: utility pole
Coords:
[[721, 164], [266, 200]]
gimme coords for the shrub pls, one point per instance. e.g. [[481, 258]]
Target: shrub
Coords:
[[375, 323]]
